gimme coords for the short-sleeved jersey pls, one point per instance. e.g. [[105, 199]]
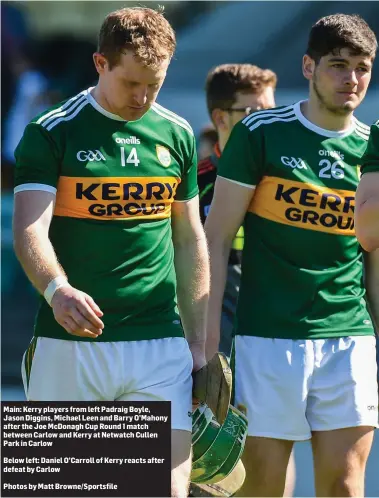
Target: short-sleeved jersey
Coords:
[[301, 264], [370, 161], [115, 182]]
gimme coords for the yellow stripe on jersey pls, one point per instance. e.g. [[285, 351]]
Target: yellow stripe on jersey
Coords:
[[307, 206], [110, 198]]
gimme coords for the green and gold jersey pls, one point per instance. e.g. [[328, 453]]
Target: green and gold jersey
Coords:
[[115, 182], [301, 264], [370, 160]]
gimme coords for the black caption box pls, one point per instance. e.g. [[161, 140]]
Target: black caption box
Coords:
[[86, 449]]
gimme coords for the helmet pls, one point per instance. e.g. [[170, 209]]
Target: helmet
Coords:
[[216, 449]]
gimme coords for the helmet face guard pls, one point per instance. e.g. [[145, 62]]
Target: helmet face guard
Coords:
[[216, 449]]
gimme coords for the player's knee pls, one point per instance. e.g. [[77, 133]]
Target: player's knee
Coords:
[[343, 467], [343, 477], [347, 485]]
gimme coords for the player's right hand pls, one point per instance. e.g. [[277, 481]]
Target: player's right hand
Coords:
[[77, 312]]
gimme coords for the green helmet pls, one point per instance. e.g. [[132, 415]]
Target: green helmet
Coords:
[[216, 449]]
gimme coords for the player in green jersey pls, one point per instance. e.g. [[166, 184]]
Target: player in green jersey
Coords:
[[367, 207], [304, 356], [232, 92], [105, 191]]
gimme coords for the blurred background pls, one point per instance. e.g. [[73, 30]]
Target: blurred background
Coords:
[[46, 56]]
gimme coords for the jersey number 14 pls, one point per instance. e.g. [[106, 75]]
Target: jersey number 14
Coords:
[[131, 159]]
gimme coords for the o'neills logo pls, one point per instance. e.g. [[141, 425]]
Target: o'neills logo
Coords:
[[128, 141], [311, 207], [115, 198]]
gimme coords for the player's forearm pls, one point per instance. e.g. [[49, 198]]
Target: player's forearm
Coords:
[[219, 253], [372, 286], [192, 271], [37, 257], [367, 224]]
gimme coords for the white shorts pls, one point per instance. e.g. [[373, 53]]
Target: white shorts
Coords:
[[154, 370], [290, 388]]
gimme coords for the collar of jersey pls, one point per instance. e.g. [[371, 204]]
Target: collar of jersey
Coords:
[[98, 107], [321, 131]]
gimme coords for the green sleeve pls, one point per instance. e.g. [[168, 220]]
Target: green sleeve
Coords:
[[370, 160], [187, 188], [242, 158], [37, 158]]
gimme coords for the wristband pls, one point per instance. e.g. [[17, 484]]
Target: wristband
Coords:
[[53, 286]]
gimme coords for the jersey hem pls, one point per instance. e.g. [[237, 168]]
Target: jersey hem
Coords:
[[138, 334], [332, 334]]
